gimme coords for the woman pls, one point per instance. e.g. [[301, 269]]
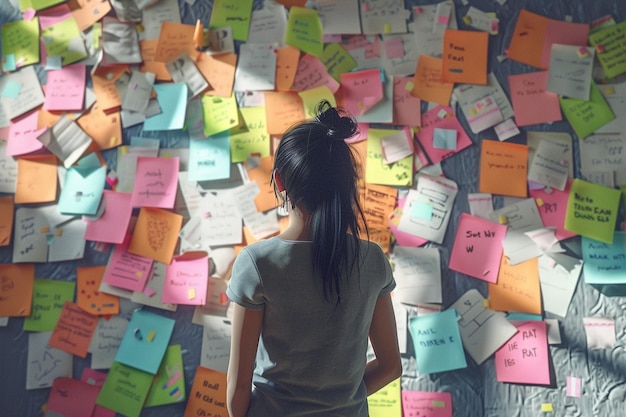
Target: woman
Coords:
[[307, 300]]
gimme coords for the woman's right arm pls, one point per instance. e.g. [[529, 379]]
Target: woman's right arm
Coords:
[[387, 366]]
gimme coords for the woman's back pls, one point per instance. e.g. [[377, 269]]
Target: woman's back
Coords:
[[311, 357]]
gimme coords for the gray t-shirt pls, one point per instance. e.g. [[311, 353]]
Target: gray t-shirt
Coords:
[[311, 357]]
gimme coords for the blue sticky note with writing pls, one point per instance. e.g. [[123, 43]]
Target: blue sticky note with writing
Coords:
[[209, 159], [12, 89], [444, 138], [604, 263], [145, 341], [437, 342], [422, 210], [172, 98], [82, 191]]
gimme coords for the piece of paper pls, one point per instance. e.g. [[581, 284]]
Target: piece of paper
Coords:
[[156, 181], [396, 147], [48, 299], [168, 386], [379, 16], [125, 390], [517, 288], [570, 71], [256, 68], [209, 158], [465, 57], [361, 90], [337, 60], [586, 116], [65, 88], [20, 40], [483, 330], [216, 334], [82, 192], [66, 140], [72, 397], [112, 225], [29, 238], [287, 62], [311, 73], [522, 216], [406, 107], [172, 99], [418, 275], [126, 270], [480, 204], [552, 205], [550, 165], [426, 404], [268, 24], [304, 31], [7, 208], [106, 341], [120, 42], [339, 17], [156, 234], [219, 114], [88, 295], [153, 291], [8, 170], [477, 238], [186, 279], [600, 332], [208, 394], [506, 130], [104, 129], [524, 358], [22, 136], [611, 44], [234, 13], [73, 330], [16, 289], [558, 276], [604, 263], [437, 192], [63, 39], [45, 363], [592, 210], [503, 168], [428, 84], [533, 139], [219, 71], [386, 401], [282, 110], [615, 96], [31, 94], [437, 342], [532, 103], [441, 117]]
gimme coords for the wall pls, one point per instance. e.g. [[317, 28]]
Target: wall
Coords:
[[475, 390]]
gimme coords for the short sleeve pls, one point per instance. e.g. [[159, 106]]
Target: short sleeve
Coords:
[[245, 287], [389, 282]]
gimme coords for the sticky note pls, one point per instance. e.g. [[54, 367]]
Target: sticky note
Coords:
[[422, 210], [444, 138], [191, 293], [8, 64], [546, 408], [12, 89]]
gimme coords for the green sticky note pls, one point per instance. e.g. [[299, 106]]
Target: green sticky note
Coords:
[[125, 390], [587, 116], [304, 31], [252, 138], [400, 173], [21, 39], [48, 299], [38, 4], [63, 39], [233, 13], [592, 210], [311, 99], [337, 60], [169, 384], [220, 114], [610, 46]]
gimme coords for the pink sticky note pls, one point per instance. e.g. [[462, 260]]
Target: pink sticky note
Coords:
[[362, 90], [552, 208], [532, 103], [394, 48], [432, 120], [563, 33], [156, 181], [406, 107], [29, 13], [477, 248], [524, 358], [96, 378], [186, 279], [54, 15], [127, 271], [426, 404], [112, 226], [312, 73], [72, 397], [23, 134], [573, 387], [65, 88], [443, 20]]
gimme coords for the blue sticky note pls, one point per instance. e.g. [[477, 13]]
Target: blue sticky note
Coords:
[[172, 99], [515, 316], [209, 159], [145, 341], [150, 143], [604, 263], [54, 62], [422, 210], [82, 191], [437, 342], [11, 89], [444, 138], [8, 63]]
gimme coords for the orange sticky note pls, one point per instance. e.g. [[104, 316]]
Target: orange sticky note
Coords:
[[88, 14], [503, 168], [286, 67], [88, 296], [428, 83], [6, 220], [148, 51], [105, 129], [207, 383], [219, 71], [16, 289], [465, 56], [517, 288], [74, 330], [175, 39], [282, 110], [156, 234], [527, 40], [265, 200], [103, 80], [36, 179]]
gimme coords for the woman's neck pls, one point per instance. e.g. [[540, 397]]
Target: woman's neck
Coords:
[[299, 228]]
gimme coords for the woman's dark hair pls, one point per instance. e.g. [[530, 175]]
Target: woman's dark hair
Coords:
[[319, 173]]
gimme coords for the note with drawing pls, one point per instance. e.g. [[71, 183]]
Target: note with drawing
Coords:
[[45, 363]]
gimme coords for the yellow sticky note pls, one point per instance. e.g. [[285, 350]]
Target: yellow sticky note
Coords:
[[44, 230], [139, 274], [151, 335], [387, 28], [59, 232], [409, 86], [502, 220], [547, 407], [467, 20], [539, 202], [486, 303], [609, 91], [191, 293]]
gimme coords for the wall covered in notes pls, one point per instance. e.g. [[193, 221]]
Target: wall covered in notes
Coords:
[[492, 136]]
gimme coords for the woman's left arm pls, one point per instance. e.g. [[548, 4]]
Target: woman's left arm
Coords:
[[245, 332]]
